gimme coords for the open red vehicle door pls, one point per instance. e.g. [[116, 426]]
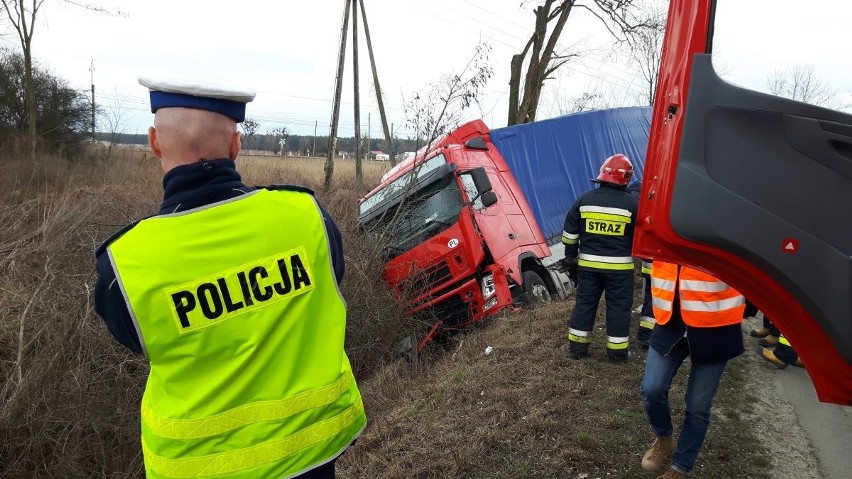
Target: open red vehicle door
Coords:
[[757, 190]]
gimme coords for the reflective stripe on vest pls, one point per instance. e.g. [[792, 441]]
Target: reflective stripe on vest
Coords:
[[618, 263], [238, 310], [705, 301]]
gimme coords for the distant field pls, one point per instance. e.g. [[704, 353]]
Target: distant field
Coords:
[[313, 167]]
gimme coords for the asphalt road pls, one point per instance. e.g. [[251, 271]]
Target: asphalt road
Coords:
[[827, 426]]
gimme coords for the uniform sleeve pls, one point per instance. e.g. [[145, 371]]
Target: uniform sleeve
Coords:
[[571, 231], [110, 305], [335, 243]]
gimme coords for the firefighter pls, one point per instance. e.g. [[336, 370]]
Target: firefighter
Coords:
[[646, 312], [598, 238], [697, 316], [782, 355], [776, 348], [232, 294]]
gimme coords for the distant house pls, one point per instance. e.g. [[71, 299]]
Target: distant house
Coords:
[[378, 155]]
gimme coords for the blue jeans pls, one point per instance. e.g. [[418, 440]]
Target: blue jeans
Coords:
[[701, 388]]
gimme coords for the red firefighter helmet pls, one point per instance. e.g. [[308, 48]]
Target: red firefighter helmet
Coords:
[[617, 170]]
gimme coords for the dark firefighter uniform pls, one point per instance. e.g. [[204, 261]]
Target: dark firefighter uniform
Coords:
[[248, 375], [646, 313], [598, 232]]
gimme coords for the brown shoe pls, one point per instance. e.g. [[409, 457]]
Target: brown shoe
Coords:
[[770, 356], [672, 474], [658, 454], [759, 333]]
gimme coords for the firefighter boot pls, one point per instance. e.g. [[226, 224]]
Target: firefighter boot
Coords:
[[578, 350], [770, 341], [659, 453], [769, 355], [673, 474], [761, 332]]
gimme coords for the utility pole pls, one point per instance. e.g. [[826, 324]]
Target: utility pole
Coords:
[[314, 149], [384, 118], [332, 137], [338, 86], [92, 74], [357, 106]]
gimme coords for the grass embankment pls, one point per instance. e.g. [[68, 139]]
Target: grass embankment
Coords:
[[69, 394], [528, 411]]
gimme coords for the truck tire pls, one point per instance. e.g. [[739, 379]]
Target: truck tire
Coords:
[[536, 289]]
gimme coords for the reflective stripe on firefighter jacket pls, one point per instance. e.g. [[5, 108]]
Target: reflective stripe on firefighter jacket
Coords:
[[599, 229], [705, 301], [238, 311], [647, 266]]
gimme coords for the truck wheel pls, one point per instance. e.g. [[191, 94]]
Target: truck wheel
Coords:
[[536, 289]]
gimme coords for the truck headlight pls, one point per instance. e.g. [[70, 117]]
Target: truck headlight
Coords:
[[488, 288]]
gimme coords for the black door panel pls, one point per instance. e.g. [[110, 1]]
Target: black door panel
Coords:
[[776, 170]]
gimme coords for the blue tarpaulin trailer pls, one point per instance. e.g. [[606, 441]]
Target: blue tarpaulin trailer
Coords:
[[553, 160]]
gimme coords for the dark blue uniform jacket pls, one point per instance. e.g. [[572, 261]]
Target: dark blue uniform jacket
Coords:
[[606, 195], [705, 345], [186, 187]]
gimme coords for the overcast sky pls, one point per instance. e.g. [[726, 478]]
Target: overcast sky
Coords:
[[287, 51]]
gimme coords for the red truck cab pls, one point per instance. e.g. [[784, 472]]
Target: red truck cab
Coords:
[[456, 232]]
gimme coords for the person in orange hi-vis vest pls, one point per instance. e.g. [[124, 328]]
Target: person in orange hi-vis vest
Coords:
[[699, 316]]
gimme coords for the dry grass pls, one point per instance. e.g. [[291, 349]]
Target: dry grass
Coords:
[[528, 411], [69, 394]]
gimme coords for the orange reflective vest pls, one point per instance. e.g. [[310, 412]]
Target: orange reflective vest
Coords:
[[705, 301]]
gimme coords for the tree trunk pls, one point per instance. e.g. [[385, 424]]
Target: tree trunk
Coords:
[[515, 88], [540, 59], [31, 99]]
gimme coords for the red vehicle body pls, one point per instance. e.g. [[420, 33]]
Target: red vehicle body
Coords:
[[465, 244], [754, 189]]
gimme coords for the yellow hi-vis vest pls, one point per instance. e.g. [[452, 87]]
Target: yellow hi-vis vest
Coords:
[[238, 311]]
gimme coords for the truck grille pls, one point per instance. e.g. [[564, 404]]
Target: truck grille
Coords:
[[422, 281], [452, 311]]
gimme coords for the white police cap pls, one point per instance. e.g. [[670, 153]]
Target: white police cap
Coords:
[[226, 99]]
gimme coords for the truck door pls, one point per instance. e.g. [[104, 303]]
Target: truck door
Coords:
[[757, 190]]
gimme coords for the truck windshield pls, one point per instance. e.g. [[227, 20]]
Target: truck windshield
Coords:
[[422, 215], [404, 181]]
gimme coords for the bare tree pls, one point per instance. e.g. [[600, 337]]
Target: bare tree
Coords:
[[429, 115], [281, 134], [114, 118], [645, 44], [437, 109], [249, 127], [22, 15], [541, 53], [800, 83], [597, 96]]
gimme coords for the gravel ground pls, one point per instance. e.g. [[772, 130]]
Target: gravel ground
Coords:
[[790, 452]]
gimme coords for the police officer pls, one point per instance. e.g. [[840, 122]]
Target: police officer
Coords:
[[232, 294], [598, 237]]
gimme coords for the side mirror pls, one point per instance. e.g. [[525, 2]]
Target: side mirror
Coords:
[[480, 179], [488, 198]]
